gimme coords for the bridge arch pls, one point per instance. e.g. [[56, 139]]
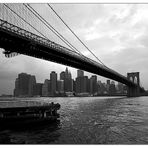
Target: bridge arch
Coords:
[[131, 79], [134, 77], [135, 80]]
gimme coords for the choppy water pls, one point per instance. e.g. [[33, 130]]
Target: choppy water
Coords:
[[90, 120]]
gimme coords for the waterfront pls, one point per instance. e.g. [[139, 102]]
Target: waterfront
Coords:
[[89, 120]]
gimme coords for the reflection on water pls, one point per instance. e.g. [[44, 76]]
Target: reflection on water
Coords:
[[31, 135], [90, 120]]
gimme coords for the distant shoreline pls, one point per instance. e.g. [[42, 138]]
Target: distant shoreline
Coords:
[[4, 98]]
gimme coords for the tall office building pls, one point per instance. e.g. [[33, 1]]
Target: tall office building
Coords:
[[16, 89], [108, 82], [101, 88], [74, 85], [113, 82], [80, 73], [68, 82], [93, 84], [84, 84], [112, 88], [120, 87], [46, 88], [62, 75], [38, 89], [32, 83], [60, 86], [23, 83], [88, 85], [81, 84], [107, 85], [78, 85], [53, 80]]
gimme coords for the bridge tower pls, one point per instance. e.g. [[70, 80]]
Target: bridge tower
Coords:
[[133, 91]]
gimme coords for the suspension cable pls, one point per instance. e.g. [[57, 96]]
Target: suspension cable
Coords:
[[25, 20], [39, 31], [51, 28], [76, 36]]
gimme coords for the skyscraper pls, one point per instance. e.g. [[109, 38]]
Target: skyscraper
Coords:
[[74, 85], [107, 85], [68, 82], [53, 80], [62, 75], [113, 82], [93, 84], [46, 88], [80, 73], [16, 89], [101, 88], [78, 85], [37, 89], [60, 86], [23, 84], [108, 82], [32, 83], [112, 88], [81, 84], [120, 87], [84, 83]]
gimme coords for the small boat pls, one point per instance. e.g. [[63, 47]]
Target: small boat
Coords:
[[28, 115]]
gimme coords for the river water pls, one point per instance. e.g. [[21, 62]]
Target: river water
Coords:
[[89, 120]]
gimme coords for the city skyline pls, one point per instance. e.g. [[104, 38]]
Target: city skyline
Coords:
[[26, 85], [122, 48]]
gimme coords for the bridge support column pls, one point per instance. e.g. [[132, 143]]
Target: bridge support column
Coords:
[[133, 91]]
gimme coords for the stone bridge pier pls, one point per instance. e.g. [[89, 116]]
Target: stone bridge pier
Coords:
[[133, 91]]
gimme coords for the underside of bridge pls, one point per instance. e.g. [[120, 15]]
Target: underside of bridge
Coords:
[[24, 44]]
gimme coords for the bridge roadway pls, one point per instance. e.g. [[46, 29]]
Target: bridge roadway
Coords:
[[17, 40]]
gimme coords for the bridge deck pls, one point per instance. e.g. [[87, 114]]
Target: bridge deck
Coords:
[[16, 39]]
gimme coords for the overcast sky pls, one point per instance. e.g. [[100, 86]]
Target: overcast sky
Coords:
[[116, 33]]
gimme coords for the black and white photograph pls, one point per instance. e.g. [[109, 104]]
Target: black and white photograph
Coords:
[[73, 73]]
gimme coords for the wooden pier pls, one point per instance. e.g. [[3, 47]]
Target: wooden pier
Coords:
[[27, 112]]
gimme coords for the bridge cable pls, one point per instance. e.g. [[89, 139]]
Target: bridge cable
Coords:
[[43, 21], [34, 27], [51, 28], [76, 36], [80, 40], [25, 21]]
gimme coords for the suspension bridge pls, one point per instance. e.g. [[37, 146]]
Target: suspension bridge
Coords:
[[20, 34]]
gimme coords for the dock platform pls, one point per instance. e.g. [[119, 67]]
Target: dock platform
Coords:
[[27, 112]]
